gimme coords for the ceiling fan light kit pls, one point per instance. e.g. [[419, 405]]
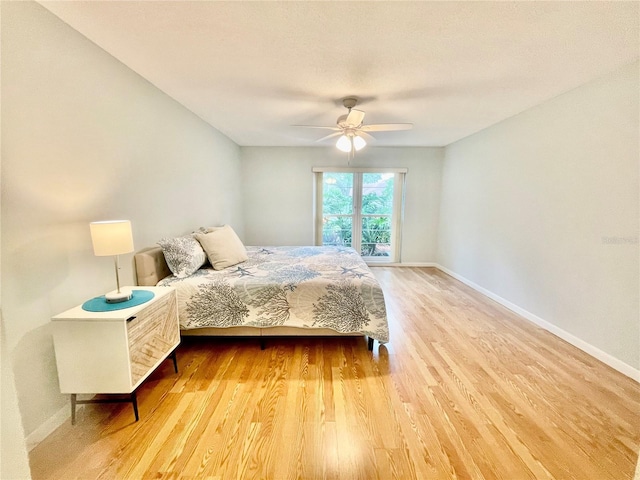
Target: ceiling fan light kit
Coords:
[[347, 143], [352, 132], [344, 144], [358, 143]]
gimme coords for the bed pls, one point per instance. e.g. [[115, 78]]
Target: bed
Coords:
[[277, 291]]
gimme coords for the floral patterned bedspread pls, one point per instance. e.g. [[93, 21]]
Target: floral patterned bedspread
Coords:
[[308, 287]]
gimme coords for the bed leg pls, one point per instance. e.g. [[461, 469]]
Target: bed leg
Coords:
[[262, 343], [370, 343]]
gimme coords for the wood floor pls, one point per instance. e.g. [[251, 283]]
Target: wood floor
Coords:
[[465, 389]]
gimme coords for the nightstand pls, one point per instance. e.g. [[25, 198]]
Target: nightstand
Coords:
[[113, 352]]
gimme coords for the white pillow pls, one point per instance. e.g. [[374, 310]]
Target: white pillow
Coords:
[[223, 247], [184, 255]]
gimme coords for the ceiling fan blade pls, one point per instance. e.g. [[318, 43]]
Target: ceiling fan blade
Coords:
[[354, 118], [318, 126], [385, 127], [331, 135], [366, 136]]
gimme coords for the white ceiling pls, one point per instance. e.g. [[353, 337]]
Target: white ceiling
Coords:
[[253, 69]]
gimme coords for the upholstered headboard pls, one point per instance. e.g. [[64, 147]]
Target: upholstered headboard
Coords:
[[151, 267]]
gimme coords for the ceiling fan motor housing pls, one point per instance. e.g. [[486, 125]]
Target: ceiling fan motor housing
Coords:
[[342, 121], [348, 102]]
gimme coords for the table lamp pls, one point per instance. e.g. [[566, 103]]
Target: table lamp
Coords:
[[113, 237]]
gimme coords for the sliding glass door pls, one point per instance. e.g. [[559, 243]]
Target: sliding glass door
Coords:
[[360, 208]]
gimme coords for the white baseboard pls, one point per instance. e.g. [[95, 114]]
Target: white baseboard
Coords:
[[595, 352], [48, 427], [403, 264]]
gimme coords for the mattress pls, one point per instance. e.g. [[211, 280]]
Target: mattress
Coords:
[[301, 287]]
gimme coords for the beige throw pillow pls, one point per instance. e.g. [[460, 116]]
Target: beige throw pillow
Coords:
[[208, 229], [223, 247]]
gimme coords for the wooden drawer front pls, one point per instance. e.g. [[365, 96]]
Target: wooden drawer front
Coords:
[[152, 335]]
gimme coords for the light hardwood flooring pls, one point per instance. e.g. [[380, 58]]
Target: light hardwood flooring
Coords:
[[465, 389]]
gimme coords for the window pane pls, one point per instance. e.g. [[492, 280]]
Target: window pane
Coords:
[[336, 230], [376, 236], [377, 193], [337, 193]]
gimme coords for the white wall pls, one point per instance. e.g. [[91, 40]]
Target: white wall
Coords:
[[542, 211], [84, 138], [278, 193], [14, 461]]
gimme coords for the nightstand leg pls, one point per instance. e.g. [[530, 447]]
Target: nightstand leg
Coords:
[[73, 409], [134, 401], [175, 361]]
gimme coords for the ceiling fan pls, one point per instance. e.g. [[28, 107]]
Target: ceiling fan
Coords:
[[352, 132]]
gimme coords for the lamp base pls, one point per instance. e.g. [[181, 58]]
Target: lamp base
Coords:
[[118, 297]]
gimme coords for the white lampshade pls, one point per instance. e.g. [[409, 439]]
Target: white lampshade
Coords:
[[113, 237], [358, 143], [344, 144]]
